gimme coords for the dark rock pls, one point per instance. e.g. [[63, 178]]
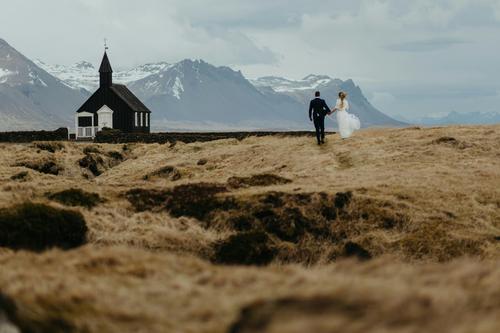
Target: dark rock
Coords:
[[38, 227], [250, 248]]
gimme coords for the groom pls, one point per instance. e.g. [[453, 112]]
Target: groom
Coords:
[[317, 113]]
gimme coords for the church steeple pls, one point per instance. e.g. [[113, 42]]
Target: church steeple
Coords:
[[105, 72]]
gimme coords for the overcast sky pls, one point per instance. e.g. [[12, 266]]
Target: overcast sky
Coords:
[[411, 57]]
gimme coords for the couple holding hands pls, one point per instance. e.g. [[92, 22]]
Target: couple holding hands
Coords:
[[318, 110]]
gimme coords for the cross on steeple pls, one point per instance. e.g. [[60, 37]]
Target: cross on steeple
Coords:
[[105, 71]]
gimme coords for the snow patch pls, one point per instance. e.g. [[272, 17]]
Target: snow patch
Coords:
[[178, 88], [5, 73], [84, 75], [283, 85]]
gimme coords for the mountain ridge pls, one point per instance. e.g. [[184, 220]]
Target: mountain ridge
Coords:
[[30, 97], [186, 94]]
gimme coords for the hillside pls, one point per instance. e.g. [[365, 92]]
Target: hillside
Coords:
[[420, 209], [31, 98]]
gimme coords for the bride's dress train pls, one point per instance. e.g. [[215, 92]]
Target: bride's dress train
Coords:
[[348, 123]]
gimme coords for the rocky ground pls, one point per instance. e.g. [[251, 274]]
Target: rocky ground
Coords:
[[391, 231]]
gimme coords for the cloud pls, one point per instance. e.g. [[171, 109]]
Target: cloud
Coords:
[[427, 45], [394, 43]]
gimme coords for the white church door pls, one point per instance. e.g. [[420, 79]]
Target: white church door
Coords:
[[104, 118]]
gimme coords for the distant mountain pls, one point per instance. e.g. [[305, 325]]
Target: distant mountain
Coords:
[[32, 98], [302, 90], [470, 118], [84, 75], [190, 94], [193, 93]]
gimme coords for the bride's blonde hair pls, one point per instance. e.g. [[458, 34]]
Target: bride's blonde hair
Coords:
[[342, 96]]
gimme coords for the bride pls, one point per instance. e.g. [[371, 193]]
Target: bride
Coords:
[[348, 123]]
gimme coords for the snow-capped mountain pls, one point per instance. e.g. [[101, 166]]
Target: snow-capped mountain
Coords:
[[30, 97], [190, 94], [282, 85], [302, 91], [193, 92], [83, 74]]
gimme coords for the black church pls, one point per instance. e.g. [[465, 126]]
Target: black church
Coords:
[[111, 106]]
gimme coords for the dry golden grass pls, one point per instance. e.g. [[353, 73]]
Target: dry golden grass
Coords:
[[426, 206]]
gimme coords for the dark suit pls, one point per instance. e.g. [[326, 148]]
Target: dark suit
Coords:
[[317, 112]]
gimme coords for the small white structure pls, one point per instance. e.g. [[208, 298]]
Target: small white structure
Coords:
[[84, 124], [105, 117]]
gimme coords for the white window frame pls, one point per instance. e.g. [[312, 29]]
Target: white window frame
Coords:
[[136, 119], [141, 115], [147, 119]]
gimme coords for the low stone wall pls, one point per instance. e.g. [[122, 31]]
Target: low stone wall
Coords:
[[60, 134], [187, 137]]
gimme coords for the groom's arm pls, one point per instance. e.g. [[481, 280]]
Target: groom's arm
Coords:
[[310, 111], [326, 107]]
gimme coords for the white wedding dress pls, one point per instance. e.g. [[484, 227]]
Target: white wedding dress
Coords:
[[348, 123]]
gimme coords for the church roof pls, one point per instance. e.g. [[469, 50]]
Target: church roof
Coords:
[[105, 65], [128, 97], [119, 91]]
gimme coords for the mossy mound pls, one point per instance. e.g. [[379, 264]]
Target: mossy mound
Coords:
[[38, 227], [166, 172], [257, 180], [250, 248], [76, 197], [50, 167], [96, 162], [11, 321], [21, 176], [51, 147], [193, 200]]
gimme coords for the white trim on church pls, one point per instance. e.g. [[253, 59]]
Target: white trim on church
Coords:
[[85, 132]]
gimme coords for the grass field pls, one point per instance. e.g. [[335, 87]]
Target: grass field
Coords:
[[394, 230]]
